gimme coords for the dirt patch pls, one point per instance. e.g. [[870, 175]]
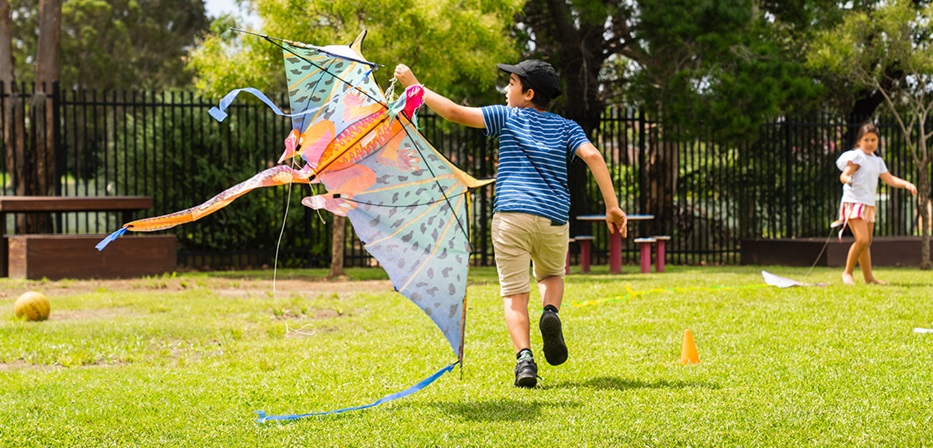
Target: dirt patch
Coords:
[[224, 287], [20, 365], [87, 314]]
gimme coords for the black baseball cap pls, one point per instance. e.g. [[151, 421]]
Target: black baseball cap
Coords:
[[541, 75]]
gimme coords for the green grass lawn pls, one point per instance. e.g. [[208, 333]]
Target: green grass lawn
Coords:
[[185, 360]]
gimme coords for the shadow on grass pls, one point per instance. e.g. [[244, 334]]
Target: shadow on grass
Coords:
[[613, 383], [500, 410]]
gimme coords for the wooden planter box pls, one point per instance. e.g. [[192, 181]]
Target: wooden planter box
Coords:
[[74, 256], [885, 251]]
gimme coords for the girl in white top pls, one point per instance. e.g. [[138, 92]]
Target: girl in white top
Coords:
[[861, 169]]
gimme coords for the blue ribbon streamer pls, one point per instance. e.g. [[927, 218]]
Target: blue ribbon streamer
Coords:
[[219, 114], [104, 242], [424, 383]]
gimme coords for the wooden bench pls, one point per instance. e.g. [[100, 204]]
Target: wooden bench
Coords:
[[615, 239], [644, 251], [74, 256], [660, 252], [586, 247]]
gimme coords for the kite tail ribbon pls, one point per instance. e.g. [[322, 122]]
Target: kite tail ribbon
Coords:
[[104, 242], [219, 112], [421, 385]]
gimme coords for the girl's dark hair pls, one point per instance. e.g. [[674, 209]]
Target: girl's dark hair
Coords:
[[541, 100], [866, 128]]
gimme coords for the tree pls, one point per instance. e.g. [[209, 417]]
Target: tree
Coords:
[[337, 248], [7, 75], [13, 123], [698, 64], [889, 51], [454, 46], [48, 67], [116, 44]]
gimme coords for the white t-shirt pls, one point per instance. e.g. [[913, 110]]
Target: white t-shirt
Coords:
[[864, 186]]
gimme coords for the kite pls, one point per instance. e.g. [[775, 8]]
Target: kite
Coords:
[[784, 282], [407, 203]]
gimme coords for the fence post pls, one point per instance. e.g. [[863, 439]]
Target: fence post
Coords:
[[788, 181], [642, 168], [59, 166]]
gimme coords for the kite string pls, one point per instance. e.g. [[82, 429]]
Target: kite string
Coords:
[[278, 244], [825, 244], [390, 91]]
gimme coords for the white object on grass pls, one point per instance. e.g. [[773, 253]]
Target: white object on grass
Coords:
[[780, 282]]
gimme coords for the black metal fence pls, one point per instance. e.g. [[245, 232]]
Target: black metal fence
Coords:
[[708, 196]]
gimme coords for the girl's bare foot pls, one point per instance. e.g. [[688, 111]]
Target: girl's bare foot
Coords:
[[875, 281], [847, 279]]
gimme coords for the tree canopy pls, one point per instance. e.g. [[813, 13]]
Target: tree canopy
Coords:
[[451, 45], [110, 44]]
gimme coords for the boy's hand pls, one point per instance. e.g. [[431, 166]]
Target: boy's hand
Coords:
[[616, 220], [404, 75], [911, 188]]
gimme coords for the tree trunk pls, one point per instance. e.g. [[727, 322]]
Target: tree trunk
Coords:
[[578, 57], [337, 248], [12, 135], [14, 125], [7, 75], [923, 202], [48, 55], [583, 105], [661, 169], [48, 68]]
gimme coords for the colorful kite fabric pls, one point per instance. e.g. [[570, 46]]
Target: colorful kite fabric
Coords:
[[406, 202]]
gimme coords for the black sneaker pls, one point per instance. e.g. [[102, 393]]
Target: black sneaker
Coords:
[[555, 351], [526, 373]]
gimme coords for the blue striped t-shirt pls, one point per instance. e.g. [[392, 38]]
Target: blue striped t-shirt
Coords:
[[534, 148]]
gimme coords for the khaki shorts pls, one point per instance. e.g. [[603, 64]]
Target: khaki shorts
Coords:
[[520, 239]]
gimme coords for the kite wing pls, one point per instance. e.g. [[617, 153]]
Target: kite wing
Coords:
[[410, 206]]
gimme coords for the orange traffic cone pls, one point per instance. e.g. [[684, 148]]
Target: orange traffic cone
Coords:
[[688, 352]]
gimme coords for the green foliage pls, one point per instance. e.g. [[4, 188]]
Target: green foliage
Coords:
[[111, 44], [136, 365], [452, 45], [717, 65], [872, 48]]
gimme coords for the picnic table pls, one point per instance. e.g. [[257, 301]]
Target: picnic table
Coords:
[[56, 256], [615, 239]]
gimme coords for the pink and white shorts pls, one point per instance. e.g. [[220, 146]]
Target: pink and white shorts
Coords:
[[853, 210]]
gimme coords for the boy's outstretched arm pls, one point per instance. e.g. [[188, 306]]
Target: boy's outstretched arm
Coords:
[[449, 110], [615, 217]]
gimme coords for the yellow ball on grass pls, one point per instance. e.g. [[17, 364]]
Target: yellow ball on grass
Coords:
[[33, 306]]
